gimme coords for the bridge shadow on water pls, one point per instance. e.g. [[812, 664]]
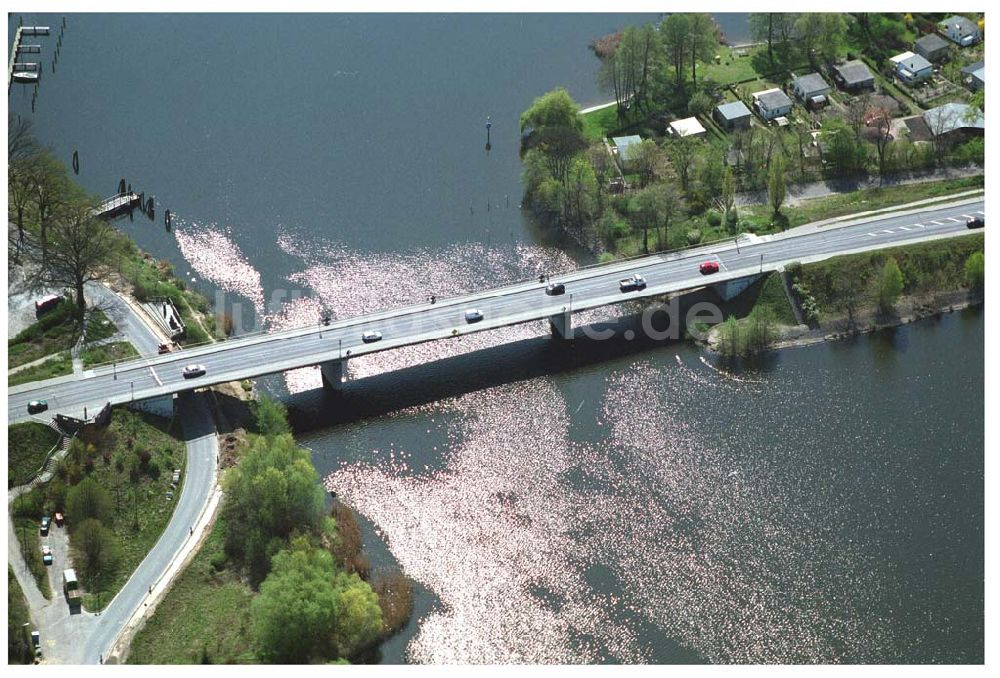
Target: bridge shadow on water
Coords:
[[502, 364]]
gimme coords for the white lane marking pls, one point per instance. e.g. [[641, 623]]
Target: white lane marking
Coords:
[[981, 212], [905, 228], [937, 223], [953, 219], [874, 235], [888, 230], [919, 225], [155, 376]]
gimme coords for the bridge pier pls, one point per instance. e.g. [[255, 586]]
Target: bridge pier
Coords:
[[334, 373], [162, 406], [731, 288], [562, 326]]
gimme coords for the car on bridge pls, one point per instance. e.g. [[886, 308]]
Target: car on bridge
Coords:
[[633, 282], [36, 406], [709, 267], [473, 315], [555, 288], [371, 337], [975, 222], [192, 371]]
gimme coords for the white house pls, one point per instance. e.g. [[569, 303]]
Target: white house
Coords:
[[772, 103], [912, 68], [688, 127]]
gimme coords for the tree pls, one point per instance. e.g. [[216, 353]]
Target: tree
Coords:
[[682, 154], [857, 113], [553, 109], [50, 187], [848, 290], [20, 192], [776, 184], [645, 213], [844, 154], [975, 271], [358, 624], [270, 417], [820, 34], [295, 615], [883, 135], [890, 285], [700, 104], [701, 41], [95, 552], [273, 492], [83, 248], [603, 166], [645, 159], [776, 30], [670, 204], [87, 500], [727, 201], [674, 34]]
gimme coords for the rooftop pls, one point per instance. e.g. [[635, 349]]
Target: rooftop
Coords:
[[977, 69], [733, 110], [687, 127], [931, 42], [772, 98], [954, 116], [813, 82], [911, 62], [854, 72], [965, 25], [623, 144]]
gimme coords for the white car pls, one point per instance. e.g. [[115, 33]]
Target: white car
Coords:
[[634, 282], [371, 336], [192, 371], [473, 315]]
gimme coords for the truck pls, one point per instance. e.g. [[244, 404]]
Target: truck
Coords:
[[71, 589], [633, 282]]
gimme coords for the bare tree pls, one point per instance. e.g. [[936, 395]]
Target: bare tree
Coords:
[[883, 135], [49, 186], [857, 111], [82, 248]]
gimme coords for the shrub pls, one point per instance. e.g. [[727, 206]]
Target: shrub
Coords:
[[87, 500], [890, 285], [714, 219], [975, 271], [693, 237]]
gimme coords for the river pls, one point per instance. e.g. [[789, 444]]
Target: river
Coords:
[[613, 502]]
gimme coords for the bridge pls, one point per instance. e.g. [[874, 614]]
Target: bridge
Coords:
[[158, 377]]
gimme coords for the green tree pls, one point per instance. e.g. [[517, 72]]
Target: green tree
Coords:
[[674, 32], [95, 552], [776, 183], [730, 338], [890, 285], [975, 271], [683, 154], [646, 159], [701, 41], [50, 188], [820, 35], [775, 29], [87, 500], [295, 615], [699, 104], [727, 202], [645, 214], [270, 417], [553, 109], [359, 620], [273, 492]]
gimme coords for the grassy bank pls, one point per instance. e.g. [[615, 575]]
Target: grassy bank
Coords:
[[55, 331], [27, 445], [927, 267], [205, 618], [106, 353], [57, 366], [757, 219], [19, 650], [600, 123], [774, 298]]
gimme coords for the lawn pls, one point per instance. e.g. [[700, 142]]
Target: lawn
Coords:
[[27, 445], [26, 533], [598, 124], [57, 366], [55, 331], [114, 352], [205, 617], [729, 68], [138, 489]]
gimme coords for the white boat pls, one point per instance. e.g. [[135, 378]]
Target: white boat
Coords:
[[25, 76]]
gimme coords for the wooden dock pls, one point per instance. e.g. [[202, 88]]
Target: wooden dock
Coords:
[[117, 204], [15, 49]]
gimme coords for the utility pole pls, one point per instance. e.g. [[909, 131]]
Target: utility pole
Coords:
[[762, 262]]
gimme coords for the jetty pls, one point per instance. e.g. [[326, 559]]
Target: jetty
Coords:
[[15, 49], [118, 204]]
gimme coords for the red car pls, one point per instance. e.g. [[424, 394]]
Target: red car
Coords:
[[708, 268]]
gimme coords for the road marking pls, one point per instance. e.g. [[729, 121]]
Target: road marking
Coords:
[[981, 212], [937, 223], [919, 225], [155, 376], [905, 228], [968, 217], [953, 219], [874, 235], [888, 230]]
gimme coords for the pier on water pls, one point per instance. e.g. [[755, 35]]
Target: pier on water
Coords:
[[23, 75], [118, 204]]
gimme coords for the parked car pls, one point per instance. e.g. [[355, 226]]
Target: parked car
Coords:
[[371, 337], [975, 222], [43, 528], [59, 519], [708, 268], [36, 644], [473, 315], [633, 282], [192, 371], [36, 406], [166, 348], [46, 555], [555, 288]]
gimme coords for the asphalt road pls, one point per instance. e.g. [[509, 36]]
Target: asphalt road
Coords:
[[202, 462], [585, 288]]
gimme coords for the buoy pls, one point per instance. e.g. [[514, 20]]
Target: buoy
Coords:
[[121, 186], [76, 162]]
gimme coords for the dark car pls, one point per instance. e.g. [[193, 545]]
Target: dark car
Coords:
[[975, 222], [371, 336], [708, 268], [36, 406], [555, 288], [43, 528]]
